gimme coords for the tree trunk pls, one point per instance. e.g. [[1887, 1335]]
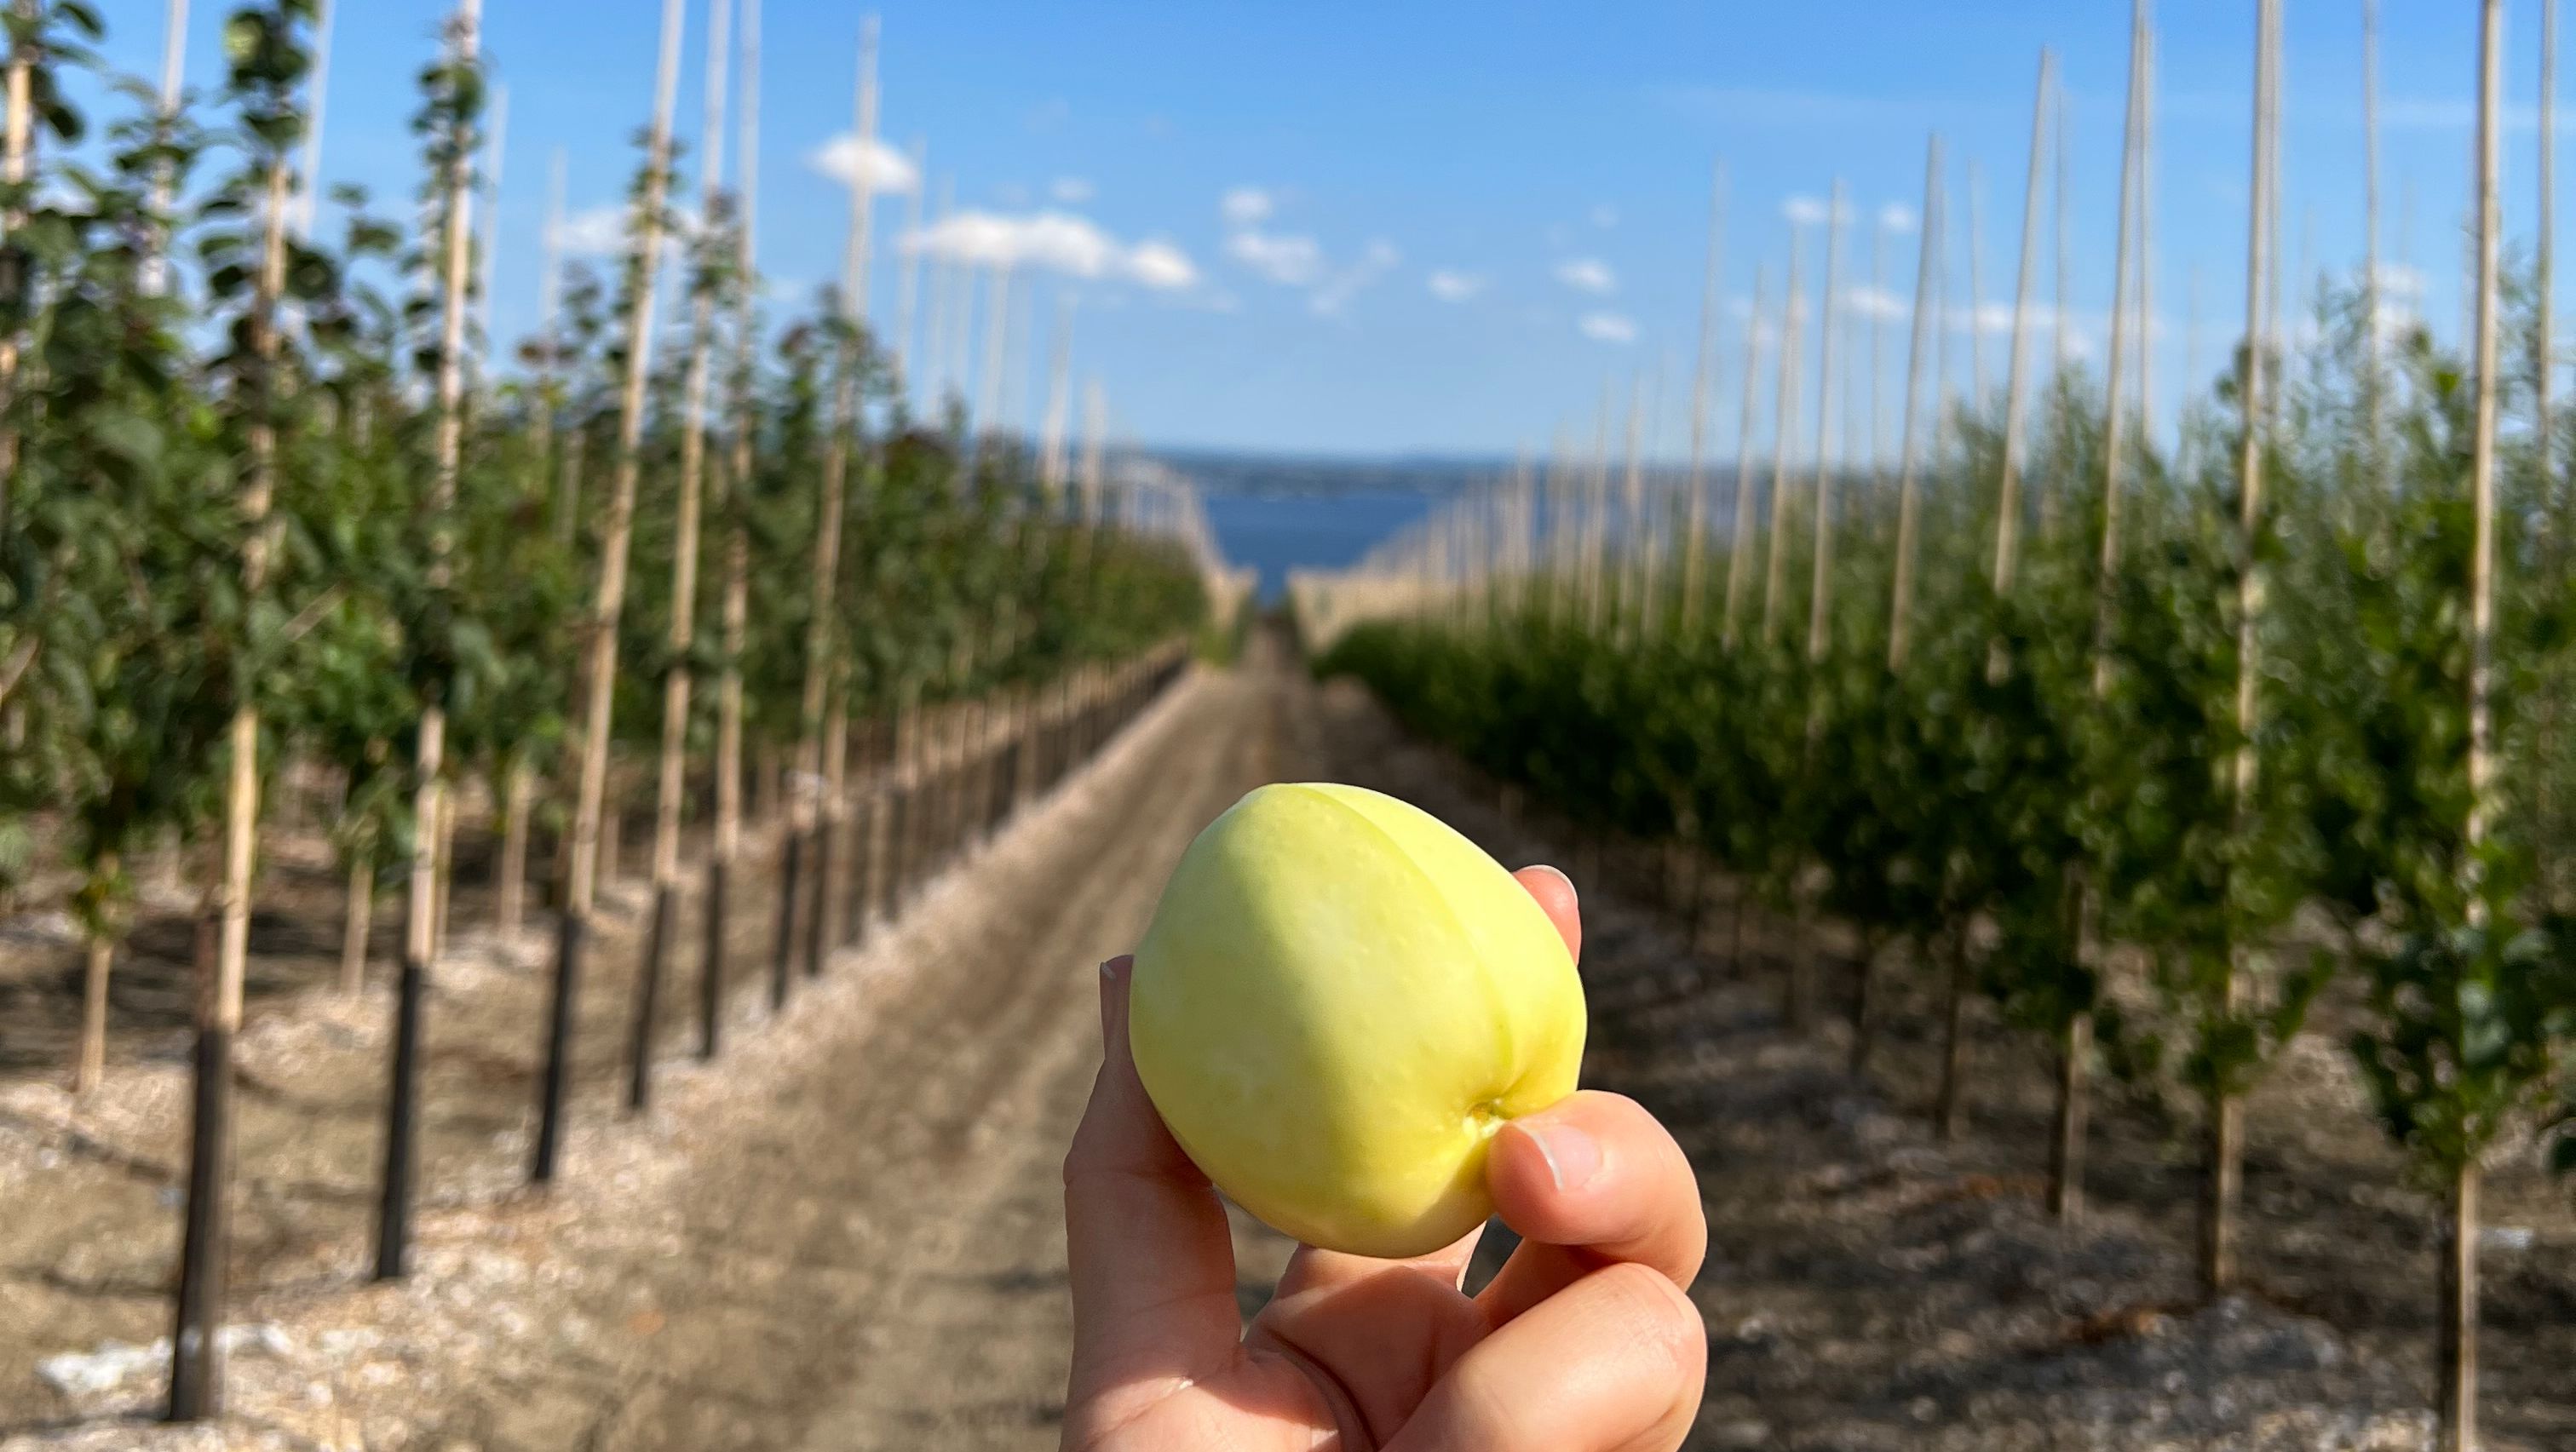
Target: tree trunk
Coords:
[[2222, 1181], [443, 868], [1945, 1101], [2457, 1365], [356, 923], [2066, 1145], [92, 1063], [1865, 1009], [510, 910]]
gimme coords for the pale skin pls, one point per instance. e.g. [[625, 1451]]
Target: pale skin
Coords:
[[1584, 1342]]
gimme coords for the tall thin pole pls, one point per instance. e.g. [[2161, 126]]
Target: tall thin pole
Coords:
[[599, 678], [2017, 382], [174, 55], [494, 144], [2376, 382], [822, 721], [1900, 610], [671, 785], [312, 196], [2459, 1362], [1059, 405], [1775, 568], [2226, 1116], [735, 610], [196, 1359], [420, 921], [1739, 539], [1703, 384], [1976, 285], [1820, 589]]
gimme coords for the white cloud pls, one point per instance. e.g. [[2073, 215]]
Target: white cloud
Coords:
[[1608, 327], [870, 163], [601, 231], [2396, 280], [1605, 215], [1587, 274], [1291, 260], [1896, 217], [1161, 265], [1805, 211], [1453, 286], [1245, 206], [593, 231], [1868, 303], [1073, 191], [1054, 242], [1375, 262]]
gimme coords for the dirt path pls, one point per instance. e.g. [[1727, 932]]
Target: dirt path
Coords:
[[847, 1236]]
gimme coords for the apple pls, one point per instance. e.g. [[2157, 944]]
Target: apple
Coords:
[[1338, 1003]]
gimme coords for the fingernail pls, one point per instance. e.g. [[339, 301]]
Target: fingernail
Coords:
[[1572, 1156], [1559, 874]]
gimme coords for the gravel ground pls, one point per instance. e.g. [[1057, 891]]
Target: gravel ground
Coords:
[[847, 1235]]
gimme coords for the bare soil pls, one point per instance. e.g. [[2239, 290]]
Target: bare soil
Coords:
[[846, 1234]]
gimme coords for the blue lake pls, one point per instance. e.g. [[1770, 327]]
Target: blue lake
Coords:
[[1279, 532]]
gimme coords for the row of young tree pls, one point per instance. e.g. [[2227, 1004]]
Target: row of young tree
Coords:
[[268, 513], [2147, 744]]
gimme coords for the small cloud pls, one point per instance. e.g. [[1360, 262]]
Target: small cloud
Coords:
[[1161, 265], [1245, 206], [1876, 304], [1608, 327], [1073, 191], [1605, 216], [1806, 211], [2397, 280], [1054, 242], [870, 163], [1897, 217], [1375, 262], [1587, 274], [592, 232], [1455, 287], [1291, 260]]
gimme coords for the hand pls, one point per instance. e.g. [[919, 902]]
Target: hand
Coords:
[[1584, 1342]]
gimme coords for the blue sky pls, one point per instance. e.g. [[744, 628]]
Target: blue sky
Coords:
[[1470, 218]]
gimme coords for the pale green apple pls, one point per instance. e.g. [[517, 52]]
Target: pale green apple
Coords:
[[1339, 1002]]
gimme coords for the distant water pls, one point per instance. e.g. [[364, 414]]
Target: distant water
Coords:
[[1278, 532]]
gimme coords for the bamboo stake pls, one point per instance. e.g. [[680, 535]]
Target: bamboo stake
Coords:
[[1820, 590], [510, 907], [429, 762], [671, 787], [2016, 384], [356, 926], [311, 198], [550, 336], [174, 55], [818, 759], [1059, 397], [2226, 1111], [1739, 543], [2066, 1157], [600, 678], [196, 1361], [908, 284], [13, 169], [736, 609], [1976, 285], [1775, 570], [1703, 382], [2459, 1359], [2376, 382], [1900, 609]]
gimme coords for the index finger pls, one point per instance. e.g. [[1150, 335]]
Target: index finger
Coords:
[[1592, 1181], [1150, 1257]]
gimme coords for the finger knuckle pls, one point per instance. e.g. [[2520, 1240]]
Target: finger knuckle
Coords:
[[1656, 1318]]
